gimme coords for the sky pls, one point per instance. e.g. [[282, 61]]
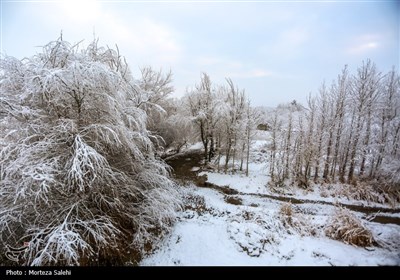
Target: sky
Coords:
[[277, 51]]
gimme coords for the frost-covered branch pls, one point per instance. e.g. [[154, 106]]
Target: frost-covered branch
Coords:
[[79, 179]]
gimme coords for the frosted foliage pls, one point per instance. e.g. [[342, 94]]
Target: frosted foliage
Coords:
[[79, 179], [255, 233], [224, 121], [348, 133], [258, 232]]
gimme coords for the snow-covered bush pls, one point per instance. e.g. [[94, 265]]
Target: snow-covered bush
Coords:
[[348, 228], [255, 232], [79, 182], [294, 222]]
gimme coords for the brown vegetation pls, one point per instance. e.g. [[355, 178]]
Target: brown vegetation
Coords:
[[346, 227]]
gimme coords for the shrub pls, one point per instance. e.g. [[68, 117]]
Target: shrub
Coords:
[[294, 222], [344, 226], [79, 181]]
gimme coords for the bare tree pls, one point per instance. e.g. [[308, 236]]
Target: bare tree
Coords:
[[322, 105], [351, 130], [340, 93], [364, 93], [235, 101]]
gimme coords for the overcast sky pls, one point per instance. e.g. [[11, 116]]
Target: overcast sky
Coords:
[[278, 51]]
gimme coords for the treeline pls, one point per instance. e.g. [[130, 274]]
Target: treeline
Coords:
[[348, 132]]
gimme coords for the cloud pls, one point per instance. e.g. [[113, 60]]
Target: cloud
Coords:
[[363, 44]]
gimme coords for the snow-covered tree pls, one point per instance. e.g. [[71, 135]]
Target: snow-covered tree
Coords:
[[175, 128], [386, 131], [79, 180], [156, 88], [364, 95], [251, 120], [203, 107], [224, 121], [349, 132], [232, 121]]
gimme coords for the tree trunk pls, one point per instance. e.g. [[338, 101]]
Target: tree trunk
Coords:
[[354, 151], [328, 156], [242, 156], [366, 143]]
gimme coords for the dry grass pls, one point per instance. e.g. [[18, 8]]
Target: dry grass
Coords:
[[346, 227], [391, 194], [294, 222], [235, 200], [286, 214], [362, 191], [365, 192]]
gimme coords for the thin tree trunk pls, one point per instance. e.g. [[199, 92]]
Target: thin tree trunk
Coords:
[[354, 150], [328, 156], [366, 143], [248, 153]]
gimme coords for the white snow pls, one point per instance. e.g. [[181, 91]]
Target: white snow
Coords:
[[196, 146], [255, 183], [224, 236], [253, 233]]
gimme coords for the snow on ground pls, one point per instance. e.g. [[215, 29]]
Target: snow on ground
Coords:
[[249, 229], [255, 183], [232, 235], [196, 146]]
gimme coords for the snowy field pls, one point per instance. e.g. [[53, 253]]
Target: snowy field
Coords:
[[232, 235], [247, 229]]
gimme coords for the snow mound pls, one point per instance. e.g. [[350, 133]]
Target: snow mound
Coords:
[[255, 233]]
